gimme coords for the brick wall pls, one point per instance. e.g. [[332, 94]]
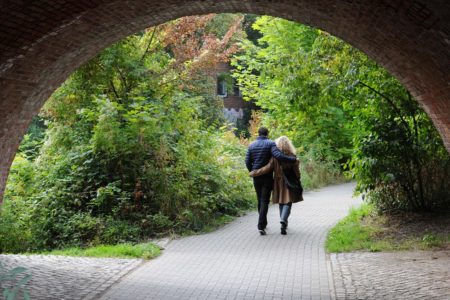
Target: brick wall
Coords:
[[43, 42], [237, 102]]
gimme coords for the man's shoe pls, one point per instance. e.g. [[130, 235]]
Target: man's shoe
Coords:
[[262, 232], [283, 231]]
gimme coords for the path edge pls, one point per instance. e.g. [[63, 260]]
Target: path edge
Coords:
[[114, 280], [330, 277]]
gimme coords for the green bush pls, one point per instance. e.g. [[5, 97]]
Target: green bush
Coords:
[[344, 111], [119, 231], [129, 152], [399, 159]]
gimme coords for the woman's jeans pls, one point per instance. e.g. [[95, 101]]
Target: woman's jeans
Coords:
[[285, 211]]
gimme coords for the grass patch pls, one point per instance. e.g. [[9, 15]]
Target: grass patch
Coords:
[[144, 250], [363, 229], [349, 234]]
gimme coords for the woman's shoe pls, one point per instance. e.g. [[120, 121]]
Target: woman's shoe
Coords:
[[283, 231]]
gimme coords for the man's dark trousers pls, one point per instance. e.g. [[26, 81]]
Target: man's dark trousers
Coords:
[[263, 186]]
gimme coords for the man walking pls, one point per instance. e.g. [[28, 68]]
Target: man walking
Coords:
[[258, 155]]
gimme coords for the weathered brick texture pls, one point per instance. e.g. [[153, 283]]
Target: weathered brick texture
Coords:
[[42, 42]]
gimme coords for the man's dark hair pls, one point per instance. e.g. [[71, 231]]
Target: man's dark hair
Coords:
[[263, 131]]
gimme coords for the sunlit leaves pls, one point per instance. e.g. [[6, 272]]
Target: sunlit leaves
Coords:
[[340, 106]]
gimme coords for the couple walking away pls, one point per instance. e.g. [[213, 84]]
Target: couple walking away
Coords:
[[274, 167]]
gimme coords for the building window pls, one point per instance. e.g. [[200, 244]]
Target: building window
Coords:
[[221, 86], [236, 89]]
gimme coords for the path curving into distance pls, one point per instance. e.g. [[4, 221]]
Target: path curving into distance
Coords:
[[235, 262]]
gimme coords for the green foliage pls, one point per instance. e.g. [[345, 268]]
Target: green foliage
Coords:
[[399, 159], [430, 240], [349, 234], [220, 24], [32, 141], [315, 174], [343, 111], [290, 76], [126, 250], [15, 233], [130, 152]]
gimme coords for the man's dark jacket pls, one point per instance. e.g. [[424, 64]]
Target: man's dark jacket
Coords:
[[260, 151]]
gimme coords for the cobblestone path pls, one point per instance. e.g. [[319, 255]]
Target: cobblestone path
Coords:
[[235, 262], [397, 275], [61, 277]]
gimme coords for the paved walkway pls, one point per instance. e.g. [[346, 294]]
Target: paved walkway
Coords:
[[62, 277], [397, 275], [235, 262]]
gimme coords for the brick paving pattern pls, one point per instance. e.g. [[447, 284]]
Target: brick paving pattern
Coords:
[[235, 262], [398, 275], [61, 277]]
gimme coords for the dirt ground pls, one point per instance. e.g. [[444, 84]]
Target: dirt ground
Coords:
[[426, 227]]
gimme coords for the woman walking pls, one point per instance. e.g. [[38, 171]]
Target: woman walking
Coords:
[[286, 186]]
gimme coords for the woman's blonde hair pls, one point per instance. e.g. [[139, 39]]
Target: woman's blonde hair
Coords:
[[285, 145]]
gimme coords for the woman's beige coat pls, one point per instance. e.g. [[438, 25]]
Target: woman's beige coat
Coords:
[[280, 194]]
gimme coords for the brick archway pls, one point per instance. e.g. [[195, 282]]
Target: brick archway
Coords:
[[43, 42]]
